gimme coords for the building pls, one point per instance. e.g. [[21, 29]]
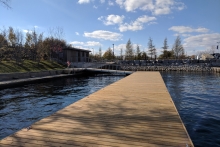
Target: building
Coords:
[[206, 56], [73, 54]]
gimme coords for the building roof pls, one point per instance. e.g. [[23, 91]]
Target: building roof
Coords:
[[76, 49]]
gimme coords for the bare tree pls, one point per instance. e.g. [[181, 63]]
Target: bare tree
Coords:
[[5, 3], [178, 48], [11, 36], [40, 48], [108, 54], [28, 41], [19, 36], [56, 32], [3, 37]]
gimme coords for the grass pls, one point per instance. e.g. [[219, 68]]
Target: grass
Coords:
[[28, 66]]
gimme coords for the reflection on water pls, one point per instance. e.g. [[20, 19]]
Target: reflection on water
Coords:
[[24, 105], [197, 98]]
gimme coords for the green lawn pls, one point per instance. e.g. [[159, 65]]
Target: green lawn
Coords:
[[28, 65]]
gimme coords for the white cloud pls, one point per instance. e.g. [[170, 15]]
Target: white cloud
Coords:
[[137, 24], [105, 35], [151, 23], [117, 48], [36, 27], [132, 5], [95, 7], [203, 41], [83, 1], [157, 7], [102, 1], [76, 33], [185, 29], [120, 46], [184, 35], [110, 3], [112, 19], [27, 31], [88, 43], [92, 43], [77, 43]]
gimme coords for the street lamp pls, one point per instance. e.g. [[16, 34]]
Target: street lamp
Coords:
[[218, 44]]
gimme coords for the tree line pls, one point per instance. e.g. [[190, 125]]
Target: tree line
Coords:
[[14, 45], [132, 52]]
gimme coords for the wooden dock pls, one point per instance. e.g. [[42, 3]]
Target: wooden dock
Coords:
[[134, 111]]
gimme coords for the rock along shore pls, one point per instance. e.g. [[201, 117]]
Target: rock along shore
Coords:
[[193, 68]]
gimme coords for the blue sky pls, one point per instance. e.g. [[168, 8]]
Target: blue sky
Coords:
[[90, 24]]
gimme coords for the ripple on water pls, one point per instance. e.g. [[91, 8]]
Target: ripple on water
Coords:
[[22, 106], [196, 96]]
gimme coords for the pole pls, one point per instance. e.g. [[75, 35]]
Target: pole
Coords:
[[218, 45]]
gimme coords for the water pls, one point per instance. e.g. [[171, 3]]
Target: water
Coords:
[[197, 98], [22, 106]]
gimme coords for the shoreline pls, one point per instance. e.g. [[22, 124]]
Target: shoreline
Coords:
[[8, 80]]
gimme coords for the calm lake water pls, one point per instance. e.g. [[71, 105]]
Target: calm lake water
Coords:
[[196, 96], [197, 99]]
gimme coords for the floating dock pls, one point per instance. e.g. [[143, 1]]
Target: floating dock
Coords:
[[134, 111]]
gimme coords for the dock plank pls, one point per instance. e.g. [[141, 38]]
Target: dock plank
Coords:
[[134, 111]]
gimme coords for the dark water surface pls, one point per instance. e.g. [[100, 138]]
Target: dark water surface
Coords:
[[197, 98], [24, 105]]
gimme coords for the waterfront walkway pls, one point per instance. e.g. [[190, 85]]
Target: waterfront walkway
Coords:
[[134, 111]]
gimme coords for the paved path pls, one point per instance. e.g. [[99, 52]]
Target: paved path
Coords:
[[134, 111]]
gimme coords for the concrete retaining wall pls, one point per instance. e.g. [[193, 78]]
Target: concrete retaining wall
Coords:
[[20, 75]]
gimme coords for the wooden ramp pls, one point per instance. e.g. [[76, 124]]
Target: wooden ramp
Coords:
[[134, 111]]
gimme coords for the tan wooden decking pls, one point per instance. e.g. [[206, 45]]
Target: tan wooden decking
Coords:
[[134, 111]]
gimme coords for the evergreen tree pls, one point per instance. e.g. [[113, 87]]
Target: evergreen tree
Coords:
[[151, 48], [138, 52], [165, 47], [129, 50]]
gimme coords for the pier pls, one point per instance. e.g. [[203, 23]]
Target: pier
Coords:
[[134, 111]]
